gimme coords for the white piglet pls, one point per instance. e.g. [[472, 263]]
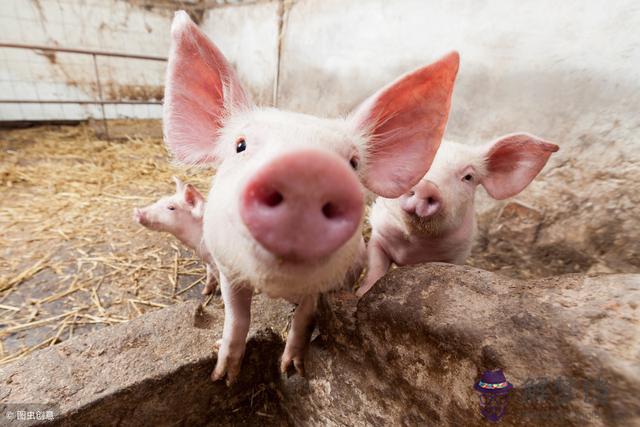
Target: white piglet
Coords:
[[285, 211], [181, 215], [436, 220]]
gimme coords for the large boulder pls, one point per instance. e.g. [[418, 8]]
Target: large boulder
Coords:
[[574, 218], [410, 351], [154, 370]]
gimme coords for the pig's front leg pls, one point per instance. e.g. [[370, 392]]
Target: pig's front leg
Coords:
[[210, 284], [379, 263], [302, 325], [237, 317]]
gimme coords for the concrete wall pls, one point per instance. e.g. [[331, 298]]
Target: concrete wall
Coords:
[[568, 71], [553, 68], [134, 27], [248, 36]]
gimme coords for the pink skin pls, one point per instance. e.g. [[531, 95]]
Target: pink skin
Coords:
[[181, 215], [436, 221], [285, 212], [424, 200], [273, 204]]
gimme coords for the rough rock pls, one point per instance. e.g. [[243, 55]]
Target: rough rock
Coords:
[[410, 351], [153, 370], [577, 217]]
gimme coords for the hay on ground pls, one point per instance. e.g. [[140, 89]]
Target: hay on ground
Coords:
[[71, 257]]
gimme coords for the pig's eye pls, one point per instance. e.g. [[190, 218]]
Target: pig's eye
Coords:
[[171, 208], [354, 163], [468, 177], [241, 145], [412, 193]]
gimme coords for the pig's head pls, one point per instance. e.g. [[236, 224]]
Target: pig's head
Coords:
[[178, 214], [443, 199], [286, 208]]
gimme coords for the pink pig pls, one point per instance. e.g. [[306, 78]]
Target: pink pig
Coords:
[[285, 211], [436, 220], [181, 215]]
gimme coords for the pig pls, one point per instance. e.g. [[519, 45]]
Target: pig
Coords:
[[436, 220], [285, 211], [181, 215]]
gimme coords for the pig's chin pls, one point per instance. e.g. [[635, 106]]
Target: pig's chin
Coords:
[[151, 225], [291, 276], [284, 277], [433, 226]]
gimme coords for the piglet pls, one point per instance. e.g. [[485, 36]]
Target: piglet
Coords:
[[285, 210], [436, 220], [181, 215]]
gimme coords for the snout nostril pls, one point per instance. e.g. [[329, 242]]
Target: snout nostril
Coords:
[[329, 210], [272, 199], [301, 206], [431, 200]]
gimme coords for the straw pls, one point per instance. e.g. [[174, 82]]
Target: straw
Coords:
[[70, 254]]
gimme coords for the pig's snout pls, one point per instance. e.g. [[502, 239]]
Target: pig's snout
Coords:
[[303, 205], [139, 216], [424, 200]]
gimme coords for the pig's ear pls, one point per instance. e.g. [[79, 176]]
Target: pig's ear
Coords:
[[194, 200], [192, 196], [404, 123], [179, 184], [201, 89], [512, 162]]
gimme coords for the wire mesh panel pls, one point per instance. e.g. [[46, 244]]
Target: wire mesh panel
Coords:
[[42, 84]]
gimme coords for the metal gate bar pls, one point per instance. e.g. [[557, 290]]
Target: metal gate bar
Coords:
[[82, 51], [94, 53]]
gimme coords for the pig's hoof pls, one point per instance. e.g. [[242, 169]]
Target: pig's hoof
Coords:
[[219, 375], [291, 364], [228, 366], [209, 289], [228, 373], [362, 290]]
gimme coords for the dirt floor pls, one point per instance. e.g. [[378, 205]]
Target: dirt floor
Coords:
[[71, 257]]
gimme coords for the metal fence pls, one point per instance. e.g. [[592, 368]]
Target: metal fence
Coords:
[[69, 60], [100, 100]]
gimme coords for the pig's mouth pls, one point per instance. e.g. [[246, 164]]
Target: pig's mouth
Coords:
[[295, 260], [141, 218], [431, 226], [291, 275]]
